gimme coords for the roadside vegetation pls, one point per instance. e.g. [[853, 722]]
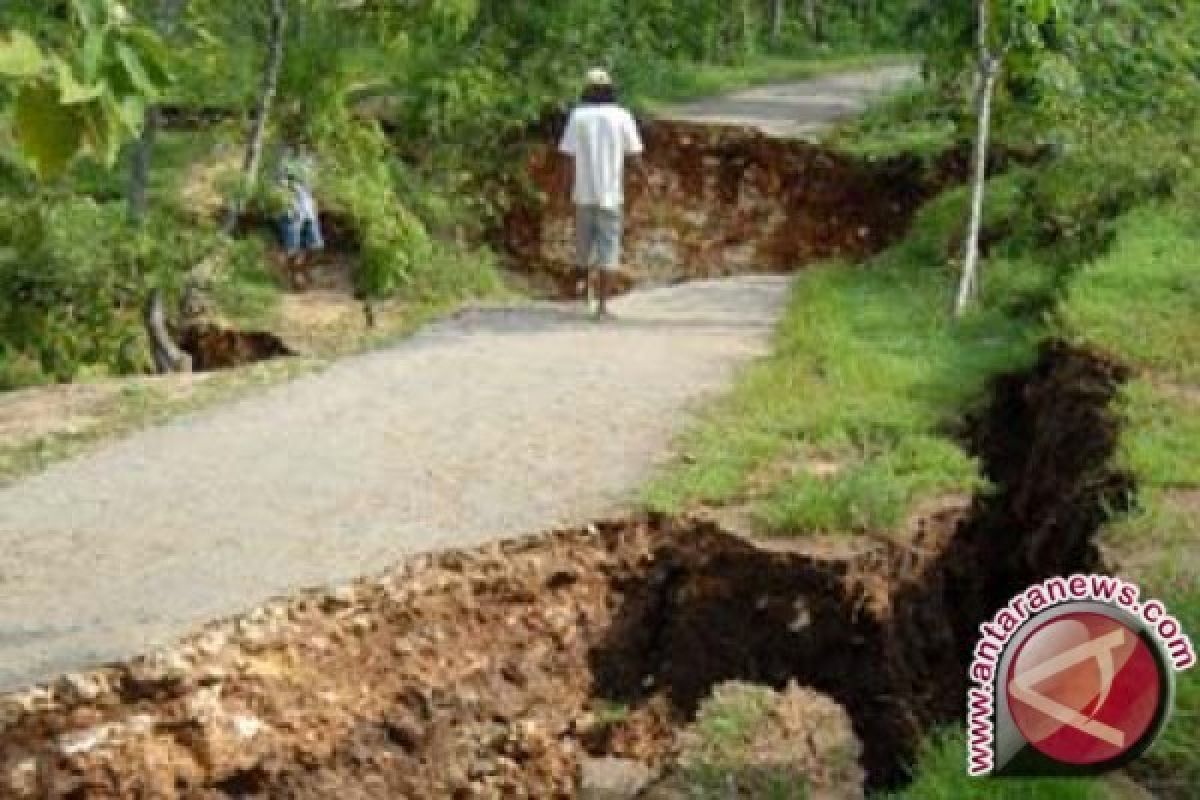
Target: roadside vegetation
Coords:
[[854, 422], [413, 120]]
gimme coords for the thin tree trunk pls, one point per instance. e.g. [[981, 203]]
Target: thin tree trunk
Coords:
[[989, 70], [262, 112], [168, 357], [166, 354], [778, 11], [812, 15], [139, 173]]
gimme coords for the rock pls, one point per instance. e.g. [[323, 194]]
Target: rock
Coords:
[[76, 688], [141, 724], [210, 643], [77, 742], [22, 778], [246, 726], [611, 778]]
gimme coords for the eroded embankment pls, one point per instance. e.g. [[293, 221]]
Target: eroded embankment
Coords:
[[485, 673], [715, 201]]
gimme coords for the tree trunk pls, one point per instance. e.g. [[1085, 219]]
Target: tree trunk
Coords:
[[262, 112], [778, 11], [166, 354], [168, 357], [989, 70], [139, 173], [812, 15]]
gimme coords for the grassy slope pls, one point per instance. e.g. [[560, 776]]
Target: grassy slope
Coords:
[[1140, 301], [868, 381], [867, 376]]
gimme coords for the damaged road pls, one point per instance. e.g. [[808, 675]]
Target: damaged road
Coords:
[[493, 672]]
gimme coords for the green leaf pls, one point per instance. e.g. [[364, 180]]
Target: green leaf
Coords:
[[20, 56], [131, 112], [92, 54], [102, 130], [152, 54], [48, 132], [71, 91], [134, 68]]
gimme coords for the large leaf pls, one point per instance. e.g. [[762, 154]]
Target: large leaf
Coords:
[[49, 133], [20, 56]]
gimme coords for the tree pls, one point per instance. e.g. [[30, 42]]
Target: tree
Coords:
[[989, 71], [778, 12], [262, 112], [812, 16], [85, 91], [997, 37], [139, 175]]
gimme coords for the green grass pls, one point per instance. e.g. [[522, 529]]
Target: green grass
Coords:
[[671, 82], [720, 753], [1140, 299], [910, 122], [1161, 440], [869, 376], [941, 774], [1172, 768]]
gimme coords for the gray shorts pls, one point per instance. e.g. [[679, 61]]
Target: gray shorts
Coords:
[[598, 237]]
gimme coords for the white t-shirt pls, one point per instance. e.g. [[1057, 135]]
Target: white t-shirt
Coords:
[[599, 137]]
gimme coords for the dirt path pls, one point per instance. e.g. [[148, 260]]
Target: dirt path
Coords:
[[796, 110], [496, 422]]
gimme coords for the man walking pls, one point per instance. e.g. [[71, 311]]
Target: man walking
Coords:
[[600, 136]]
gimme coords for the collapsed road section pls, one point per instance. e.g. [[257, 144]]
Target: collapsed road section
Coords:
[[711, 201], [493, 672]]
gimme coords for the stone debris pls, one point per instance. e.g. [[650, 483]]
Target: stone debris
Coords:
[[611, 778], [517, 670]]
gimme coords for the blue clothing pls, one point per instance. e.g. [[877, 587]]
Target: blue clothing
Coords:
[[300, 228]]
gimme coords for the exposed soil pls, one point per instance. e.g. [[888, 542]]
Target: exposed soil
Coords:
[[486, 673], [714, 201]]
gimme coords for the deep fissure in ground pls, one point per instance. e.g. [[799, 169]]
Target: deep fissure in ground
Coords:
[[488, 672]]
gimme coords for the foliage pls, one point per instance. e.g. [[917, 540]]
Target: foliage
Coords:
[[851, 420], [1140, 298], [72, 279], [940, 774], [86, 90]]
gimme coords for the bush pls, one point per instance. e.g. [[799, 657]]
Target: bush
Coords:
[[73, 277]]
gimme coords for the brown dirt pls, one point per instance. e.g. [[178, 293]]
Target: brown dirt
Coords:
[[465, 674], [716, 201], [490, 672], [722, 201], [213, 346]]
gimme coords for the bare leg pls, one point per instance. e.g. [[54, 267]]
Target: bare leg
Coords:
[[602, 281]]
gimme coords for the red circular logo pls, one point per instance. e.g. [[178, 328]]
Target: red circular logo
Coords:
[[1084, 688]]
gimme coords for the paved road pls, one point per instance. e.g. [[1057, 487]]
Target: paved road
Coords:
[[496, 422], [797, 110]]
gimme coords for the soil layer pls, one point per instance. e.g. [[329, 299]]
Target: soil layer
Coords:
[[494, 672]]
